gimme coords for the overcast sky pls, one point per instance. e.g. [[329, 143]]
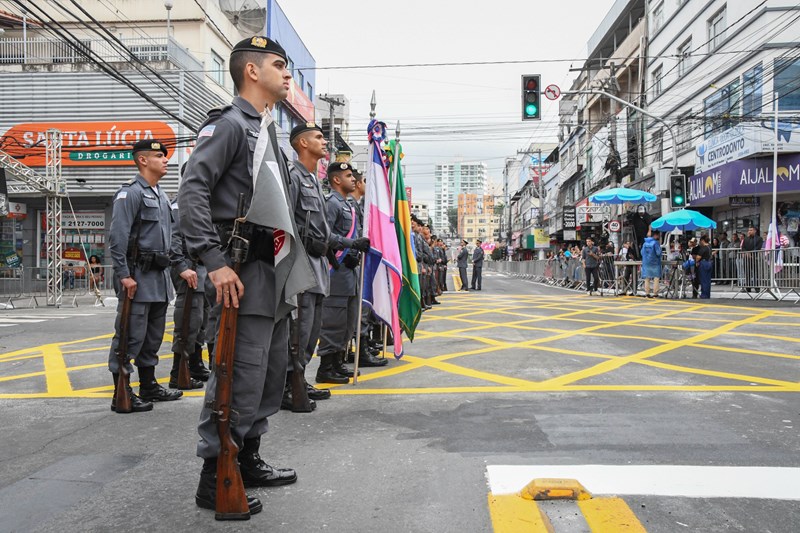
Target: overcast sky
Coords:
[[447, 112]]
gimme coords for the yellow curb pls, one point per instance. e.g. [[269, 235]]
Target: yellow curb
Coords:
[[555, 489]]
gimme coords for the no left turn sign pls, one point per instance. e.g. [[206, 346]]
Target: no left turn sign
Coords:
[[552, 92]]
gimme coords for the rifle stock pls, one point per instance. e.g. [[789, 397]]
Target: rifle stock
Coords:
[[300, 401], [231, 498], [122, 399], [184, 376]]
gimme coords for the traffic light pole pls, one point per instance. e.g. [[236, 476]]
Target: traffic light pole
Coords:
[[643, 112]]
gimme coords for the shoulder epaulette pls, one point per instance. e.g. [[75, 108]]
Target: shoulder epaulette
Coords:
[[217, 111]]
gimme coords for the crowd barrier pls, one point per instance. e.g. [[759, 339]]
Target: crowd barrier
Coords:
[[774, 273], [27, 286]]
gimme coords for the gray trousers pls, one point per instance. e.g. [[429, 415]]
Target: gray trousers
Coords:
[[196, 334], [477, 278], [259, 374], [339, 315], [462, 272], [145, 334], [310, 309]]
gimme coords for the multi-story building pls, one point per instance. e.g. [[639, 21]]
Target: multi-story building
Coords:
[[473, 204], [482, 226], [715, 71], [449, 181], [114, 73], [420, 210]]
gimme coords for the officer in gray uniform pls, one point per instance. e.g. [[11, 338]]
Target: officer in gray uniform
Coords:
[[218, 171], [477, 266], [310, 217], [461, 262], [340, 307], [416, 228], [139, 241], [187, 273]]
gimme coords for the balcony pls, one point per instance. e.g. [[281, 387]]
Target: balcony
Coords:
[[43, 51]]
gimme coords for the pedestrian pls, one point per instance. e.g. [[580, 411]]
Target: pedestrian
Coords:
[[703, 266], [340, 307], [139, 241], [651, 263], [627, 254], [590, 258], [461, 263], [219, 170], [749, 265], [477, 266], [96, 276]]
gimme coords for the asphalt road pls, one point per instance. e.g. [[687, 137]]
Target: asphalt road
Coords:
[[516, 380]]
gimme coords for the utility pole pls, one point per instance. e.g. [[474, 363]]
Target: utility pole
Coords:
[[332, 102]]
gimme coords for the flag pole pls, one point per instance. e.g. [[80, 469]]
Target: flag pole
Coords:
[[774, 218], [360, 286], [396, 156]]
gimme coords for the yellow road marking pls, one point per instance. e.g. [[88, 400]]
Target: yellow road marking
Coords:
[[610, 515], [717, 374], [512, 514], [744, 351], [55, 369]]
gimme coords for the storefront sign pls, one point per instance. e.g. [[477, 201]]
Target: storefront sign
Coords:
[[745, 177], [569, 218], [744, 201], [89, 144], [17, 210], [745, 140], [541, 238]]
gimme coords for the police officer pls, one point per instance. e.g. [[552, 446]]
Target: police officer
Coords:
[[187, 273], [461, 262], [219, 170], [427, 252], [139, 242], [310, 217], [477, 266], [340, 307], [416, 228]]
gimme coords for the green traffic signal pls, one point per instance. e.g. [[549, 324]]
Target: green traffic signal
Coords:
[[531, 96], [679, 200], [530, 110]]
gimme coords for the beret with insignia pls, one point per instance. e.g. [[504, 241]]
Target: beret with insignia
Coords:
[[338, 166], [302, 128], [149, 145], [258, 43]]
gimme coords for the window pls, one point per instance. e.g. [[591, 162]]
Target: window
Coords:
[[310, 92], [217, 68], [684, 131], [720, 107], [658, 146], [751, 91], [684, 58], [787, 84], [290, 65], [300, 79], [657, 17], [658, 75], [589, 162], [716, 29]]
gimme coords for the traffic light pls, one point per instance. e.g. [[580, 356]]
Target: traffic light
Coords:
[[531, 95], [677, 191]]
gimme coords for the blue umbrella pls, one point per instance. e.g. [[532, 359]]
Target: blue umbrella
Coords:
[[685, 219], [622, 195]]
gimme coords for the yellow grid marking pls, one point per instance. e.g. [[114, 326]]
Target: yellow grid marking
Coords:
[[610, 515]]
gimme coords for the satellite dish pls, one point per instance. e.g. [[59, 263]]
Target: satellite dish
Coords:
[[249, 16]]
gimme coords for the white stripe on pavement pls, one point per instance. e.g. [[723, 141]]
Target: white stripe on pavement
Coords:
[[779, 483]]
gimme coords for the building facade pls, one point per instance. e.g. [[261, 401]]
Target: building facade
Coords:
[[450, 180]]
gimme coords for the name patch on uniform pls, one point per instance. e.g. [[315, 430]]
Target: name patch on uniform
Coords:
[[208, 131], [121, 195]]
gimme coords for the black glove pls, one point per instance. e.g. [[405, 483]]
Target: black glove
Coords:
[[350, 261], [361, 244]]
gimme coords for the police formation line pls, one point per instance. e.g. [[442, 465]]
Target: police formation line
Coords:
[[227, 272]]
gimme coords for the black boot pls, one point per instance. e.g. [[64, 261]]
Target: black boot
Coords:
[[366, 358], [287, 403], [196, 367], [150, 390], [326, 372], [206, 496], [257, 473], [137, 404], [339, 367], [173, 376]]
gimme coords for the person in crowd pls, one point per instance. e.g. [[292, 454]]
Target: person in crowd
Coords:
[[703, 260], [748, 270], [651, 263], [590, 258]]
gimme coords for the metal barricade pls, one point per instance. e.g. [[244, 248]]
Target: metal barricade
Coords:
[[769, 272], [11, 285], [725, 271]]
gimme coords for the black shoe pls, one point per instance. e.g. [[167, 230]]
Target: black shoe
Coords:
[[287, 404], [257, 473], [137, 404], [435, 302], [317, 394], [193, 384], [157, 393], [206, 495], [197, 369], [326, 373], [340, 368], [372, 362]]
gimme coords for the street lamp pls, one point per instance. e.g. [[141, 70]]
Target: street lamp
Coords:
[[169, 5]]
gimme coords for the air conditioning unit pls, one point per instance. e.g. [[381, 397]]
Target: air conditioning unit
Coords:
[[647, 172]]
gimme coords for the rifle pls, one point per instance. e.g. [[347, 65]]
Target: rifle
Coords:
[[300, 401], [231, 501], [184, 376], [122, 402]]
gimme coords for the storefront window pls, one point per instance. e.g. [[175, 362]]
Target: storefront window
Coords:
[[84, 236]]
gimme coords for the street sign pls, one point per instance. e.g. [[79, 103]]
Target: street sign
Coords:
[[614, 226], [552, 92]]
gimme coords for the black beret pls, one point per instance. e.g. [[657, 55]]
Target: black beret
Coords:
[[149, 145], [260, 44], [338, 166], [302, 128], [357, 173]]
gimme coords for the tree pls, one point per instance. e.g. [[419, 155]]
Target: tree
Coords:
[[498, 209], [452, 218], [497, 254]]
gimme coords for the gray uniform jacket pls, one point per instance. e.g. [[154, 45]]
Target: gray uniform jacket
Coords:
[[340, 219], [180, 260], [310, 219], [477, 257], [219, 169], [462, 258], [418, 247], [137, 198]]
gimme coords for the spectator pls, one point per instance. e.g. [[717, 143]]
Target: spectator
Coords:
[[651, 263], [748, 267], [703, 266], [95, 272], [590, 257]]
